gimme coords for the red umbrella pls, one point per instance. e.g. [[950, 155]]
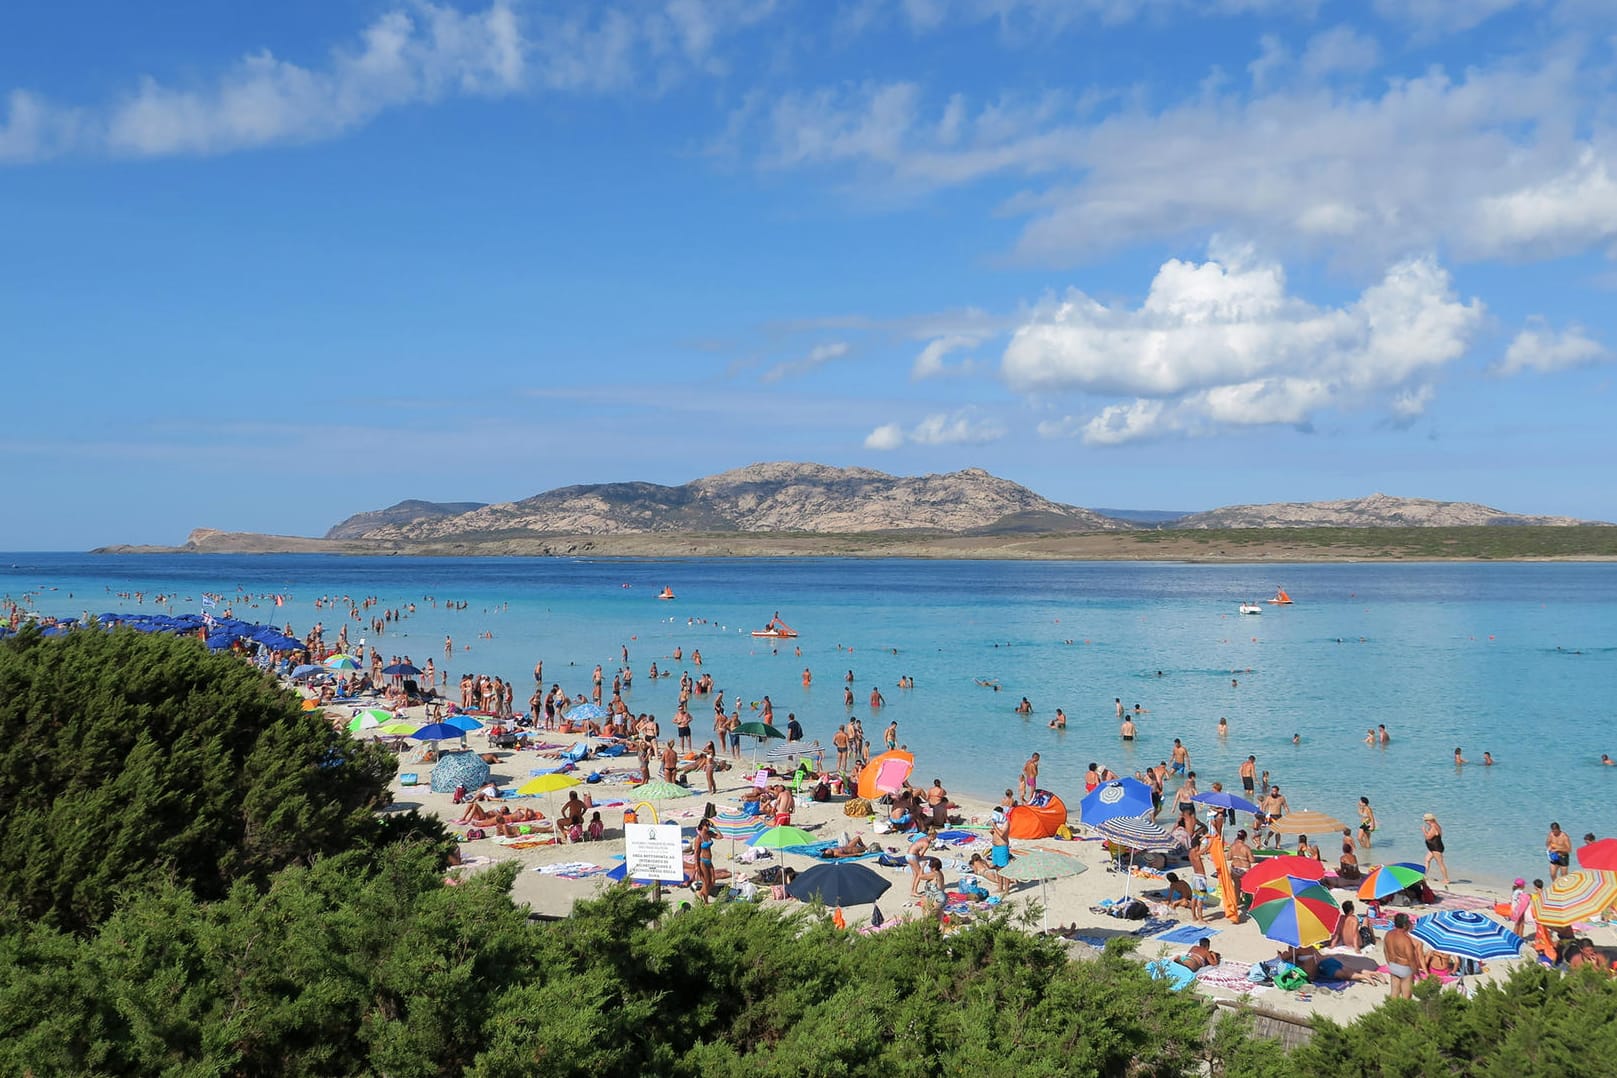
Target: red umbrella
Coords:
[[1278, 868], [1599, 856]]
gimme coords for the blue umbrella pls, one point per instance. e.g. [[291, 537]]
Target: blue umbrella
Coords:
[[1109, 800], [618, 873], [439, 731], [461, 722], [838, 884], [307, 670], [587, 712], [1468, 934], [1221, 799], [400, 670]]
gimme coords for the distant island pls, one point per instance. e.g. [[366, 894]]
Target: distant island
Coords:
[[799, 509]]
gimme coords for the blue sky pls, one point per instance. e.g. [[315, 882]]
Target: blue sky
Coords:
[[268, 265]]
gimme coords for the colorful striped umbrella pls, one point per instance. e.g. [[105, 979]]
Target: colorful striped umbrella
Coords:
[[1387, 880], [1275, 868], [733, 823], [341, 662], [1468, 934], [1295, 911], [1577, 896]]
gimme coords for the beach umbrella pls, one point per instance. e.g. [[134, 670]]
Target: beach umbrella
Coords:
[[1137, 834], [659, 790], [439, 731], [1307, 823], [886, 774], [544, 784], [341, 662], [462, 722], [401, 670], [840, 883], [307, 670], [780, 837], [1600, 856], [1274, 868], [586, 712], [369, 719], [619, 872], [1295, 911], [1468, 934], [761, 730], [1225, 800], [1110, 800], [1385, 880], [399, 728], [1041, 865], [1577, 896]]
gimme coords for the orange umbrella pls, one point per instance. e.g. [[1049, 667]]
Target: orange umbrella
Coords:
[[885, 774]]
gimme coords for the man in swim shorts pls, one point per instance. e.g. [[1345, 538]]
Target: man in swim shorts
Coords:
[[1180, 757], [1403, 957], [1248, 771]]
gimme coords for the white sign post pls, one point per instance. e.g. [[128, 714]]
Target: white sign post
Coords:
[[653, 851]]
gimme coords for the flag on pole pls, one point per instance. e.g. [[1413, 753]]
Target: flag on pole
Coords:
[[208, 601]]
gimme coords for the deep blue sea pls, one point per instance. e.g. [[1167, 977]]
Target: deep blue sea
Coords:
[[1519, 660]]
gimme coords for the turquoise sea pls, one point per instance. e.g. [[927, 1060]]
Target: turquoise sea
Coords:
[[1519, 660]]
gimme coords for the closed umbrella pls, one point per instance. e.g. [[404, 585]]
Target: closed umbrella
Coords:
[[1295, 911], [1468, 934], [1109, 800], [1577, 896], [1041, 865], [1386, 880], [844, 883]]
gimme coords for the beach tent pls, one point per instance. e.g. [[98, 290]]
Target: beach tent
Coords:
[[458, 769], [1038, 820]]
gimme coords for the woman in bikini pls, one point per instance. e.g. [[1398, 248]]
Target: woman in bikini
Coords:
[[980, 867], [707, 882], [1367, 823]]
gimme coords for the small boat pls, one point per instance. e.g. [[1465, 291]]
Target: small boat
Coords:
[[1251, 608], [666, 593], [1280, 599], [776, 629]]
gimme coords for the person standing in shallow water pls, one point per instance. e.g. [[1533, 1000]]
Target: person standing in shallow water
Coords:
[[1434, 846], [1367, 823]]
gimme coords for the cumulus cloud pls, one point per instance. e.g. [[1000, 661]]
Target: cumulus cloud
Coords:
[[930, 363], [963, 427], [1540, 348], [1222, 343], [816, 357]]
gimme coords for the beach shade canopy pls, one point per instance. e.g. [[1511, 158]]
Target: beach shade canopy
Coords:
[[1276, 868], [886, 774], [1577, 896], [778, 838], [840, 883], [1226, 800], [586, 712], [458, 769], [1468, 934], [401, 670], [1387, 880], [760, 730], [1307, 823], [1600, 856], [462, 722], [545, 784], [1136, 833], [660, 790], [1117, 798], [1295, 911], [341, 662], [439, 731], [369, 719]]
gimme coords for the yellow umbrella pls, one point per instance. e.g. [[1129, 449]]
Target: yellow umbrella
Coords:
[[544, 784], [1307, 823]]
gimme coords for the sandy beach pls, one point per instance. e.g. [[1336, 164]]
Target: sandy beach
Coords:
[[553, 877]]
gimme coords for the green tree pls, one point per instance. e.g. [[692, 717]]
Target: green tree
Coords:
[[133, 757]]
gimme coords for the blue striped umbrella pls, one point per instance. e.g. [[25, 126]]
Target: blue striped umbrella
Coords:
[[1136, 833], [1468, 934], [1109, 800]]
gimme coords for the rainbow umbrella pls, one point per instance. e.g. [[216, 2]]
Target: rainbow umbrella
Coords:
[[1276, 868], [1387, 880], [1295, 911], [1577, 896], [1468, 934], [733, 823], [341, 662]]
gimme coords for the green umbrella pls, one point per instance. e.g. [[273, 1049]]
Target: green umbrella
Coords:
[[370, 719], [659, 790], [782, 836], [760, 730], [1041, 865]]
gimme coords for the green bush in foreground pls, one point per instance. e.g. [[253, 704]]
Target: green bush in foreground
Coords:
[[132, 757]]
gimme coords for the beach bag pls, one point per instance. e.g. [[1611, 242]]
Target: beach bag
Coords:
[[460, 794], [1135, 910], [856, 806], [1291, 978], [475, 833], [1367, 936], [822, 792], [876, 917], [1064, 832]]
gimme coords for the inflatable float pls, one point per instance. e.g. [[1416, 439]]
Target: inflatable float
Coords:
[[777, 629]]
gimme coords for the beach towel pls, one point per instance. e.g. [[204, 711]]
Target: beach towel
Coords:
[[568, 866], [1166, 969], [1153, 925], [1188, 934], [1230, 976], [1450, 901]]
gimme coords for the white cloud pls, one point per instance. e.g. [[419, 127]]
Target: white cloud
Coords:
[[1447, 16], [1221, 343], [817, 356], [1540, 348], [930, 363], [1339, 49], [418, 53], [963, 427]]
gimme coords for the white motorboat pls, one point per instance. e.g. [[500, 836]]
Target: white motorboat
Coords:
[[1251, 608]]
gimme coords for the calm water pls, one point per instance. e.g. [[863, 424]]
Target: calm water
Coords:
[[1520, 660]]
